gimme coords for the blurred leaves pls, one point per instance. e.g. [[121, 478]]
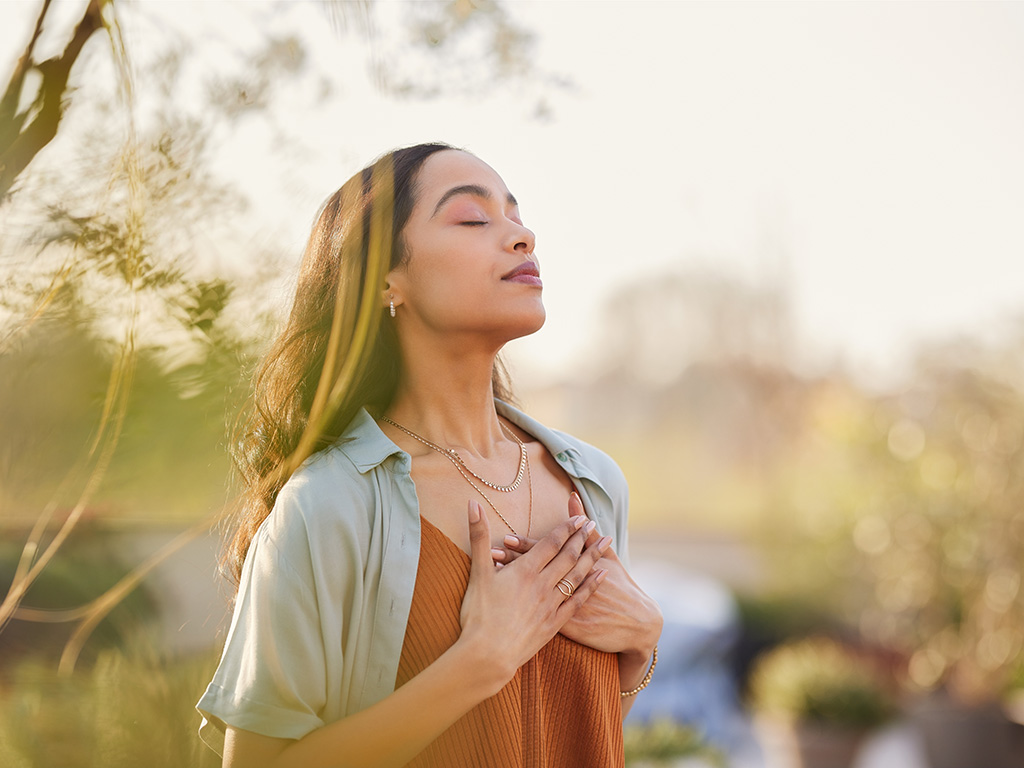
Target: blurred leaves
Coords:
[[262, 73], [132, 708], [86, 567], [900, 511], [817, 679], [458, 47], [26, 130], [665, 743]]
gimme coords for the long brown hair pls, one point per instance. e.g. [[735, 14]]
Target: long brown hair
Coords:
[[337, 353]]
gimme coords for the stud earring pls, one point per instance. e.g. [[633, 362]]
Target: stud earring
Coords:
[[392, 308]]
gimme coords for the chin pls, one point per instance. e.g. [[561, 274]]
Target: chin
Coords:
[[520, 326], [533, 324]]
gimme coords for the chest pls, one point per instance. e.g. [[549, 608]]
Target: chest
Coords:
[[538, 504]]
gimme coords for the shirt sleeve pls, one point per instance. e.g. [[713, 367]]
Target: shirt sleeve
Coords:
[[272, 676]]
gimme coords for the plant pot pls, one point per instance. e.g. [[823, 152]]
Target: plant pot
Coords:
[[808, 744], [957, 735]]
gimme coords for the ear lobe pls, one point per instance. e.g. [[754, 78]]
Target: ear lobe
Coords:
[[390, 295], [388, 301]]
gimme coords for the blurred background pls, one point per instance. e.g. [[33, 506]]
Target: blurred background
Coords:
[[781, 246]]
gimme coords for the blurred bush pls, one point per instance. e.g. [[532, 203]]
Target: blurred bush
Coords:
[[897, 509], [910, 516], [85, 568], [665, 743], [130, 709], [817, 679]]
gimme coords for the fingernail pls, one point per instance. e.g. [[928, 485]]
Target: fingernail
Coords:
[[591, 525], [577, 497], [474, 512], [600, 575], [578, 521], [511, 541], [498, 554], [603, 544]]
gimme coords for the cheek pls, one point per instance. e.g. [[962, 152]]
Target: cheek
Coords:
[[439, 294], [439, 275]]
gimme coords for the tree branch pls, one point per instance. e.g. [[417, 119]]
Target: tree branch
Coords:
[[19, 148], [10, 122]]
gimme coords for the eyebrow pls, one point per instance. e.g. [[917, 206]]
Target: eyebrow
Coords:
[[469, 189]]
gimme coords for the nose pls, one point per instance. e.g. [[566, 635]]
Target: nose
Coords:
[[522, 239]]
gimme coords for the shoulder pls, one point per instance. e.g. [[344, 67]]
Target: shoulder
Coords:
[[338, 486], [604, 467], [324, 514], [579, 457]]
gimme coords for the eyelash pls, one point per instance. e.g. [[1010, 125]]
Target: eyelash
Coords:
[[473, 223]]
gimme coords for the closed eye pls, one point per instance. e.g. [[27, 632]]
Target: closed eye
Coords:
[[472, 223]]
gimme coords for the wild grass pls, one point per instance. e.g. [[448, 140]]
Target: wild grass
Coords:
[[131, 709]]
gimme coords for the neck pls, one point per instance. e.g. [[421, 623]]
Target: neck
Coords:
[[447, 397]]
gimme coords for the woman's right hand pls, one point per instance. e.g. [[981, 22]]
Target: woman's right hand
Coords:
[[512, 612]]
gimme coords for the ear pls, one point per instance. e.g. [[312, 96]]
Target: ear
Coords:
[[392, 290]]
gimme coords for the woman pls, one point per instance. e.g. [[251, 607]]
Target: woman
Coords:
[[396, 607]]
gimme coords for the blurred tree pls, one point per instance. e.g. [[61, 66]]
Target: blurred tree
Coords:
[[695, 375], [902, 514], [123, 334], [31, 108], [908, 515], [431, 48]]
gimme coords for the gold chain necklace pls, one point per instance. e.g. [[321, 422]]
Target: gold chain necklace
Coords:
[[452, 453], [456, 460]]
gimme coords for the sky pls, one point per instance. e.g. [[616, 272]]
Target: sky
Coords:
[[865, 156]]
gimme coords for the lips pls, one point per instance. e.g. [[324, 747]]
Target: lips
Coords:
[[527, 272]]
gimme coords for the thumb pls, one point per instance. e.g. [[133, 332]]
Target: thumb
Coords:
[[479, 540]]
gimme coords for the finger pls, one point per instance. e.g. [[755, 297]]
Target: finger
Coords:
[[505, 556], [545, 550], [519, 544], [578, 573], [575, 505], [479, 541], [589, 586], [576, 508], [570, 553]]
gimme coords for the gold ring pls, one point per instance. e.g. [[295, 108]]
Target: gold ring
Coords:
[[569, 588]]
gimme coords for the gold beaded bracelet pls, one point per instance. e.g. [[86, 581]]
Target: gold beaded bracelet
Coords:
[[647, 677]]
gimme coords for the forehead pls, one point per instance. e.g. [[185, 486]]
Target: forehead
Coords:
[[452, 168]]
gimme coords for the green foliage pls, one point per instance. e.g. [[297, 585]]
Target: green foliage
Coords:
[[172, 460], [819, 680], [778, 617], [85, 568], [1015, 680], [910, 516], [664, 741], [128, 710]]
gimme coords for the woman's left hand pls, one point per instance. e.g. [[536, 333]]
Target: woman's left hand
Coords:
[[618, 618]]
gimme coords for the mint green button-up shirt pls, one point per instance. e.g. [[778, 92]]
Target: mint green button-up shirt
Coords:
[[321, 611]]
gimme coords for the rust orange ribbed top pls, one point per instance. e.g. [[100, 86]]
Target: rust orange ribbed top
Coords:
[[561, 710]]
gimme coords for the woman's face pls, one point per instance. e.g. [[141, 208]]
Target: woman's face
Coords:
[[470, 268]]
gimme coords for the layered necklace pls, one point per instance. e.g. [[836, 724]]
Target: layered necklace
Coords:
[[453, 456]]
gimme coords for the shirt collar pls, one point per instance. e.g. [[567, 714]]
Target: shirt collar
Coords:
[[368, 447], [565, 450]]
